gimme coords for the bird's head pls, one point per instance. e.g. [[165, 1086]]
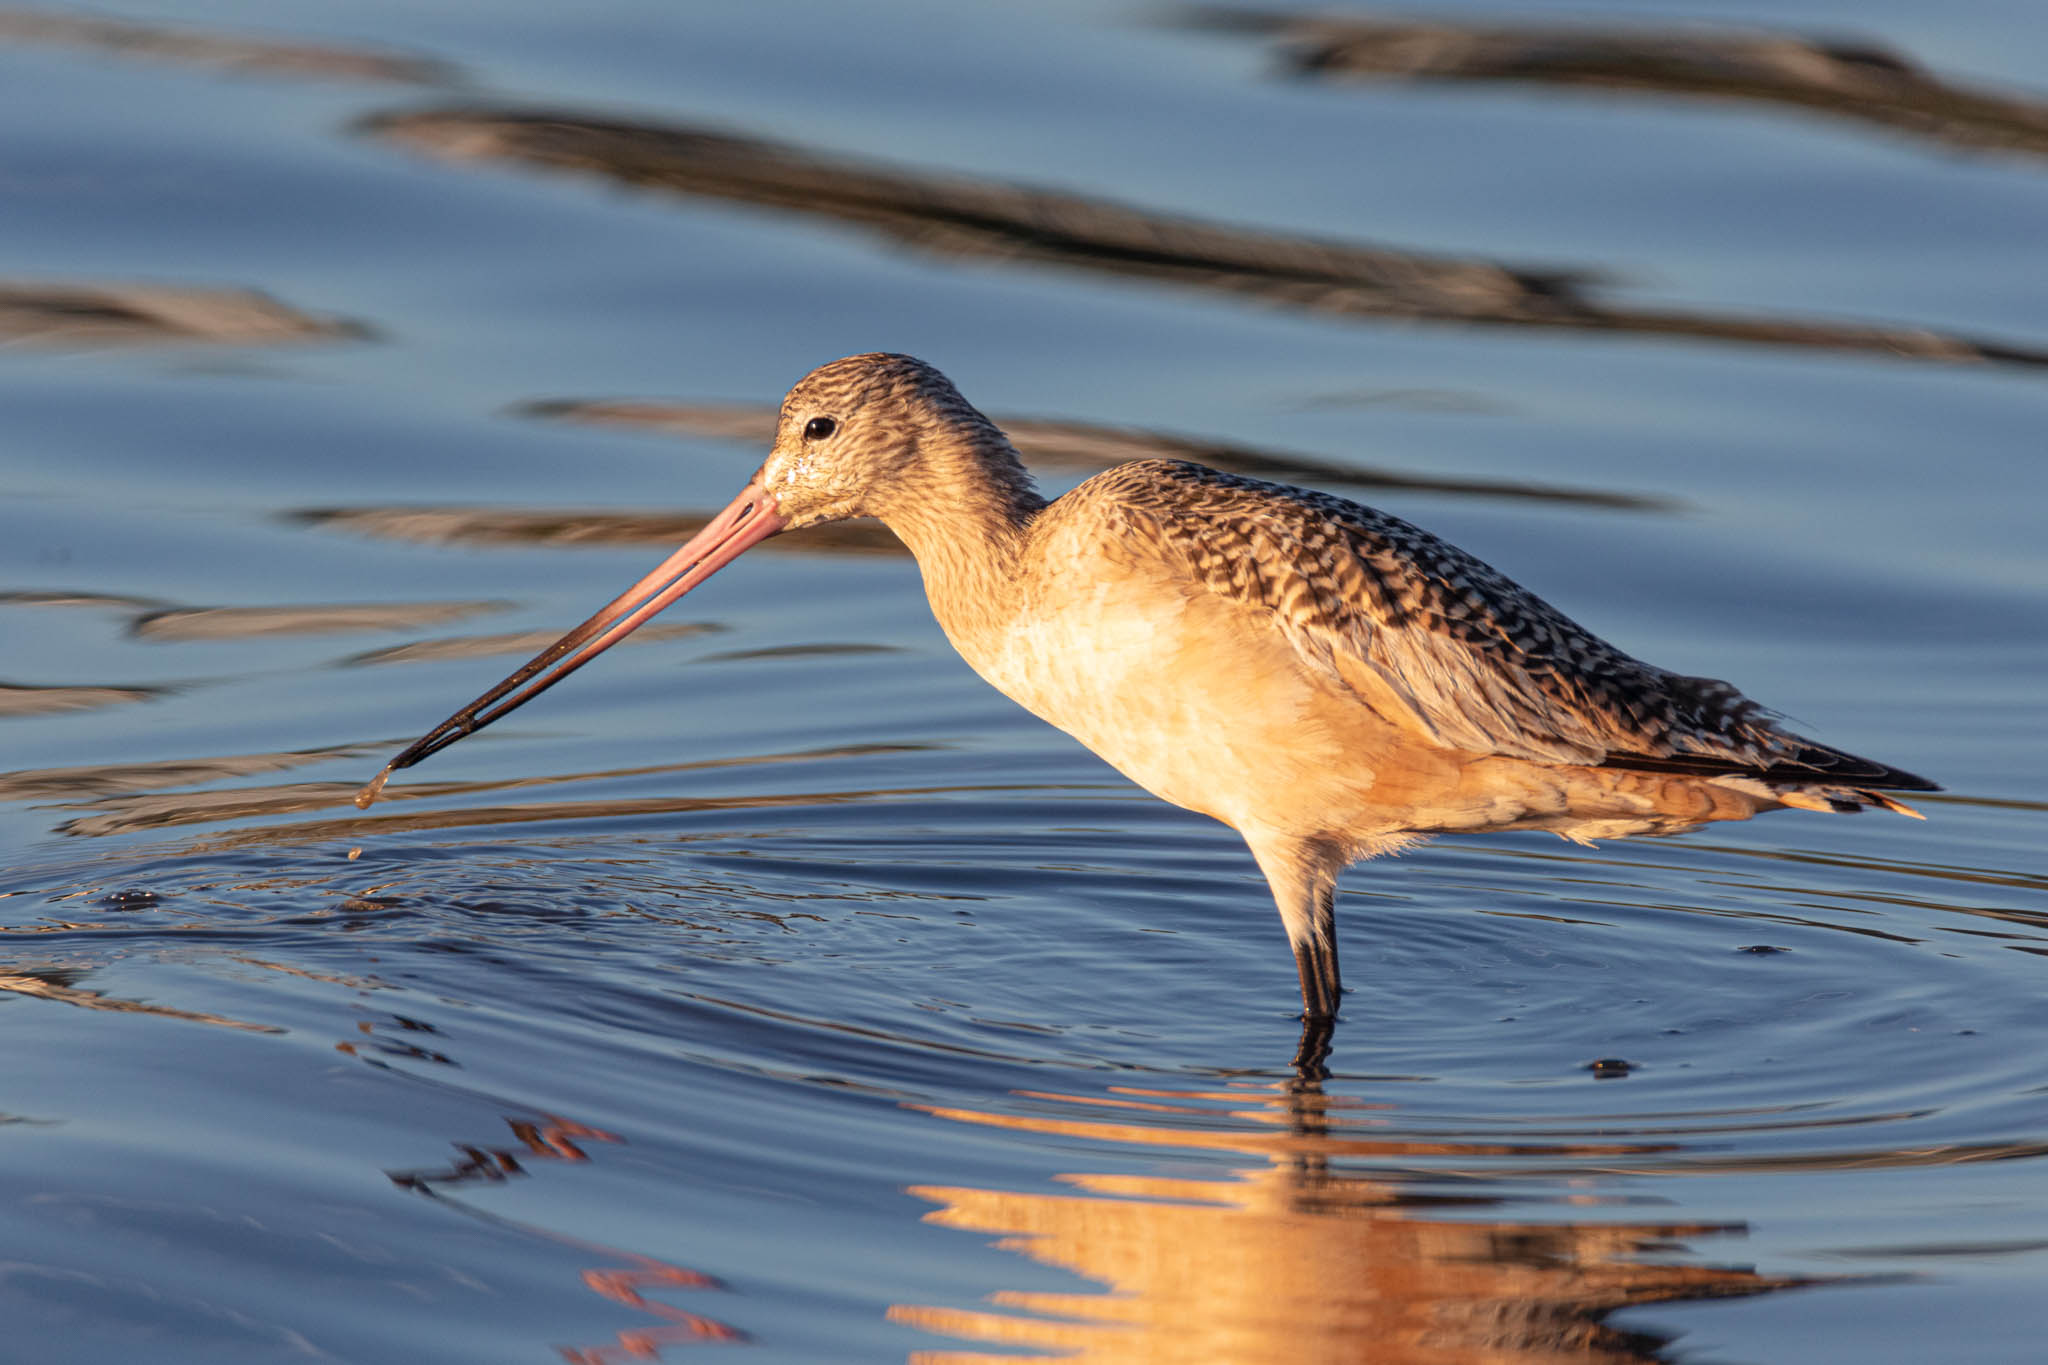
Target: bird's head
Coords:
[[862, 435], [871, 435]]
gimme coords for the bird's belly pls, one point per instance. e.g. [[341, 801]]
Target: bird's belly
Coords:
[[1193, 700]]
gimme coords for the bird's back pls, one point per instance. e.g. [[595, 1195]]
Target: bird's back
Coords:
[[1445, 654]]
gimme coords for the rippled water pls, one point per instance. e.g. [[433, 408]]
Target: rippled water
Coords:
[[780, 985]]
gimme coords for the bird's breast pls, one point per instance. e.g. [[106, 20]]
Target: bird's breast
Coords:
[[1196, 700]]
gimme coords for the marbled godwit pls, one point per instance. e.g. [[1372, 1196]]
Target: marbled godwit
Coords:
[[1328, 680]]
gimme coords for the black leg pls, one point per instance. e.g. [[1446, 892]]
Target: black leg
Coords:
[[1326, 936], [1319, 986], [1315, 957], [1310, 1057]]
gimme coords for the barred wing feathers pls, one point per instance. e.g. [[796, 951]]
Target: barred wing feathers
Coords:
[[1442, 643]]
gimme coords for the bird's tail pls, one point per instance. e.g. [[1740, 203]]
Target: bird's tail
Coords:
[[1840, 799]]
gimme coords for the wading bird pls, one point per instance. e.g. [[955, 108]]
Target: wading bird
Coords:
[[1328, 680]]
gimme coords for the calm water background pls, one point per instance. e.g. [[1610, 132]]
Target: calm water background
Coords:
[[779, 984]]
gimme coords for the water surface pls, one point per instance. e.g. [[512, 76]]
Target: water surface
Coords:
[[780, 986]]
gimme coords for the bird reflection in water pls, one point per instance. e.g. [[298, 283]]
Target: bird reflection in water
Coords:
[[1300, 1259]]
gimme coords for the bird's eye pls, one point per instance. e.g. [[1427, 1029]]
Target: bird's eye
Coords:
[[818, 428]]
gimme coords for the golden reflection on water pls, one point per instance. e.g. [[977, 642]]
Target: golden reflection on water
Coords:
[[1297, 1260]]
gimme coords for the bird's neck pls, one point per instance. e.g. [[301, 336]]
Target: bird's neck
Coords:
[[966, 515]]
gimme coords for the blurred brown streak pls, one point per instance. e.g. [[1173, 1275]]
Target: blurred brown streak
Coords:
[[126, 814], [59, 598], [24, 699], [113, 779], [60, 315], [1296, 1261], [240, 623], [517, 642], [114, 793], [122, 814], [959, 217], [509, 526], [56, 985], [1857, 80], [268, 57]]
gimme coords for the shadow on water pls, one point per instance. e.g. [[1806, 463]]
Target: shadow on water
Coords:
[[958, 217], [1327, 1249], [1858, 80]]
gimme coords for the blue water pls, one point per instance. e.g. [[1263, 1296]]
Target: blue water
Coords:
[[778, 983]]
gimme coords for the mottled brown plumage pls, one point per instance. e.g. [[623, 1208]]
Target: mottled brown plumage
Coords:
[[1330, 681], [1478, 662]]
